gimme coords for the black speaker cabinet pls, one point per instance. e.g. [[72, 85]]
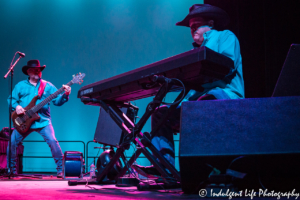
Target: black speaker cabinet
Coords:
[[258, 137], [107, 131]]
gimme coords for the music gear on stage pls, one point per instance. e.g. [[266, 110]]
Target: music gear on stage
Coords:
[[193, 68], [199, 164], [259, 137], [106, 126], [109, 134], [182, 72], [4, 133], [4, 140], [255, 138], [73, 165]]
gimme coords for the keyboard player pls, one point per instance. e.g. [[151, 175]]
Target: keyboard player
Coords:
[[207, 24]]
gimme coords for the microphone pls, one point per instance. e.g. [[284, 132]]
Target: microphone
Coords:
[[21, 54]]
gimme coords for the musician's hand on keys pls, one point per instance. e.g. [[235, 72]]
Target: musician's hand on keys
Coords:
[[67, 89], [20, 110]]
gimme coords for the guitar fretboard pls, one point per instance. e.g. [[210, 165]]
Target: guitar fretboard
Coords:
[[48, 99]]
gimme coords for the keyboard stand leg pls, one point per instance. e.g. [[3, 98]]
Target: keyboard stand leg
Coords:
[[147, 142], [152, 159], [164, 162], [130, 162]]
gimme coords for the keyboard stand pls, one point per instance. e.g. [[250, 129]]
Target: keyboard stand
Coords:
[[134, 135]]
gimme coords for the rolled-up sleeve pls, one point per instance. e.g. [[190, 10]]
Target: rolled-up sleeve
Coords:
[[60, 99]]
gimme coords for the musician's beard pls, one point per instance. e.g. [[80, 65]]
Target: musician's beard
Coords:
[[35, 77]]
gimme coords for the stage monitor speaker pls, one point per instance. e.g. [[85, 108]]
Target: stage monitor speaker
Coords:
[[107, 131], [289, 81], [258, 137]]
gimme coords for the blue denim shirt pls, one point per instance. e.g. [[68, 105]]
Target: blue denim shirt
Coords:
[[24, 92], [226, 43]]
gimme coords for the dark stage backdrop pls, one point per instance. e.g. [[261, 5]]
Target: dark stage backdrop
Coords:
[[266, 29], [100, 38]]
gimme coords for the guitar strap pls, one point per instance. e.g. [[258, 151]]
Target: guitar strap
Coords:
[[42, 87]]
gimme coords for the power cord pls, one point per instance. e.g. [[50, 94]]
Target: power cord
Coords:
[[256, 170], [166, 85], [87, 185], [176, 102]]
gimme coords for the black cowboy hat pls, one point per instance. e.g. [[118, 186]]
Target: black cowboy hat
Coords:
[[32, 64], [220, 17]]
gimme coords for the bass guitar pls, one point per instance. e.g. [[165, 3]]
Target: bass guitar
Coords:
[[24, 121]]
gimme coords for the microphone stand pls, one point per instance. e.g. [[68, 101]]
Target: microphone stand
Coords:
[[11, 71]]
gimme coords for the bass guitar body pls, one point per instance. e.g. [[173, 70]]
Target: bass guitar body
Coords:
[[24, 121]]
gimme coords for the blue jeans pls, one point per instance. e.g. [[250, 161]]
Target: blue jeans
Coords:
[[48, 134]]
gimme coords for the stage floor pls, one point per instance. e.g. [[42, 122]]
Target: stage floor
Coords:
[[49, 187], [54, 188]]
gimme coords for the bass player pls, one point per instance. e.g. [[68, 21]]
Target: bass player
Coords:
[[22, 95]]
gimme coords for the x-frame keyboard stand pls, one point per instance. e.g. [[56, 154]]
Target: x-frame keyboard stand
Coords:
[[134, 130]]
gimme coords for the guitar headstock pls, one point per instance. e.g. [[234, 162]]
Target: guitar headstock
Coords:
[[78, 78]]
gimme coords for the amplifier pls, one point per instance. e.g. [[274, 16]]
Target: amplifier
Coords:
[[107, 131], [73, 165], [258, 137], [3, 156]]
